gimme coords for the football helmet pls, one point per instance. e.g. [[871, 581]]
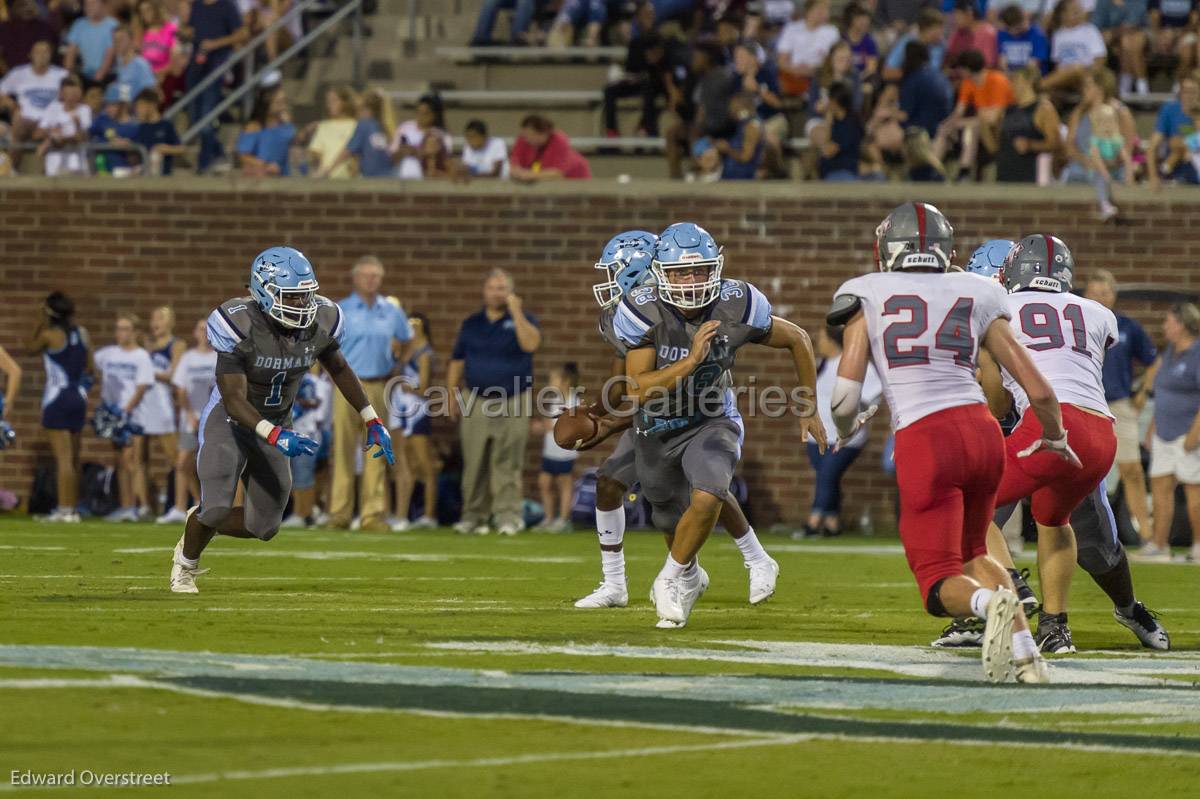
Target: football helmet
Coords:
[[913, 236], [626, 263], [989, 258], [1040, 263], [284, 286], [682, 249]]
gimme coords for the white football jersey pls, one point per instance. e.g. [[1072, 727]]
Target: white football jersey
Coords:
[[925, 329], [1067, 337]]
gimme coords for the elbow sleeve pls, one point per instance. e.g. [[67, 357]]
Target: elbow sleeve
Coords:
[[844, 404]]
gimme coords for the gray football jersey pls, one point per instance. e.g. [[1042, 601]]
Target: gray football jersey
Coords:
[[273, 358], [644, 320], [609, 334]]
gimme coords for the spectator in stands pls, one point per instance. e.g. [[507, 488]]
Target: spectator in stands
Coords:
[[1123, 26], [646, 75], [1098, 89], [742, 153], [20, 32], [838, 67], [63, 126], [761, 79], [435, 158], [1021, 42], [518, 23], [702, 104], [89, 42], [930, 31], [884, 146], [133, 72], [1175, 448], [493, 358], [1174, 150], [1110, 157], [369, 142], [114, 125], [898, 16], [1173, 26], [27, 91], [1029, 130], [926, 99], [1076, 46], [265, 143], [158, 35], [428, 119], [839, 148], [542, 152], [331, 135], [971, 32], [1132, 346], [483, 156], [857, 26], [575, 14], [376, 329], [173, 80], [214, 28], [985, 91], [802, 47], [157, 135]]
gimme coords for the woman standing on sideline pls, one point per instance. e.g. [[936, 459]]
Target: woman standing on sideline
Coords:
[[156, 414], [126, 375], [1175, 451], [410, 416], [193, 380], [65, 355], [825, 517]]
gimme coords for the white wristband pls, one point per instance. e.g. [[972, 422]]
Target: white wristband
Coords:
[[368, 414], [264, 429]]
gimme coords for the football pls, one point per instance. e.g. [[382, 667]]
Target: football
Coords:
[[574, 427]]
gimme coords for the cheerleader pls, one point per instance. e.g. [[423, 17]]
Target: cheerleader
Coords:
[[126, 376], [193, 380], [409, 419], [156, 414]]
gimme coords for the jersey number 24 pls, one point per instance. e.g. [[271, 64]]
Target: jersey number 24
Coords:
[[953, 334]]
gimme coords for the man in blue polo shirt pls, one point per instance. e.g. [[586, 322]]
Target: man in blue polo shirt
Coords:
[[1133, 346], [375, 330], [493, 357]]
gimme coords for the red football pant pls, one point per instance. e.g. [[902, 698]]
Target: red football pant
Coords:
[[948, 466], [1057, 487]]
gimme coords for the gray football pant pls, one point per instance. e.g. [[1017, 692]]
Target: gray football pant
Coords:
[[1098, 549], [229, 453], [670, 468]]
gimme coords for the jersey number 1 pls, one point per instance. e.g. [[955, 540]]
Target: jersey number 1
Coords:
[[953, 335], [276, 395]]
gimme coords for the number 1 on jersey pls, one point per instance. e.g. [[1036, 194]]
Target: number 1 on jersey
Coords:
[[953, 335], [276, 395]]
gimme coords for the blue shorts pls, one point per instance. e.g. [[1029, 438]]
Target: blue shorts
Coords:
[[67, 411], [304, 471], [555, 467]]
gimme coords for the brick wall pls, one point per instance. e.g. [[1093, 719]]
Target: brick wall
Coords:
[[131, 245]]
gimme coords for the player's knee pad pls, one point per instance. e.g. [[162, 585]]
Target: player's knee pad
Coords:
[[213, 516], [933, 600], [609, 493]]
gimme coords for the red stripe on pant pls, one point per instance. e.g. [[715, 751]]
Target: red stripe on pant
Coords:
[[1055, 486], [948, 466]]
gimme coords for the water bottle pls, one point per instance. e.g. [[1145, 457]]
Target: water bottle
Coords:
[[865, 527]]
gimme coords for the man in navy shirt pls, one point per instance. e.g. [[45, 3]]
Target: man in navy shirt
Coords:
[[214, 27], [1133, 346], [493, 356]]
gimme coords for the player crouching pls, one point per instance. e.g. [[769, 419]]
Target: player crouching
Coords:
[[265, 344]]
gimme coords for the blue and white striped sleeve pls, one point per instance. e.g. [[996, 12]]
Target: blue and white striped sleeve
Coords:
[[223, 335], [630, 326], [758, 309], [339, 325]]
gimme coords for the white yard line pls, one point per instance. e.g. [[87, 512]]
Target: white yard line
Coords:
[[339, 554]]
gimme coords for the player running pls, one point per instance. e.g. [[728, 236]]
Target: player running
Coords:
[[265, 344], [923, 330], [626, 261], [682, 334]]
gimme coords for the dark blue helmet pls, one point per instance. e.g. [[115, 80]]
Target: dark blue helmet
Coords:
[[284, 286], [626, 261]]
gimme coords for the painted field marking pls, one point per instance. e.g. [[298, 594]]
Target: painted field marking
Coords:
[[36, 549], [303, 554], [273, 577]]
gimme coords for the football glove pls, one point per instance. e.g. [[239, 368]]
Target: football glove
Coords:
[[860, 420], [1056, 446], [378, 436], [291, 443]]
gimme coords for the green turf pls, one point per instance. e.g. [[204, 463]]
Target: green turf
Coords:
[[439, 665]]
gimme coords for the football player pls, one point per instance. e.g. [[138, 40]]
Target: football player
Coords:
[[626, 261], [923, 329], [265, 344], [682, 334]]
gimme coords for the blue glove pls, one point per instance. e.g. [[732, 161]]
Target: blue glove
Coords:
[[293, 444], [378, 436]]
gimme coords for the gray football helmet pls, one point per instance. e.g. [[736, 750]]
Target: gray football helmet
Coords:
[[1039, 263], [914, 235]]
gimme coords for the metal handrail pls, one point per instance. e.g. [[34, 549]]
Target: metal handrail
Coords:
[[354, 6], [89, 147]]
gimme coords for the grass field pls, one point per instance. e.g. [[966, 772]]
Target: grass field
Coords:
[[327, 664]]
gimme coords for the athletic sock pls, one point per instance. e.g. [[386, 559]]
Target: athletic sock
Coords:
[[610, 526], [752, 550], [1117, 583], [980, 600], [1052, 618], [672, 570], [613, 565], [691, 570], [186, 562], [1023, 645]]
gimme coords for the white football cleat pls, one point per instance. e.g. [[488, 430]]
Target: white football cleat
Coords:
[[173, 516], [997, 636], [183, 578], [1032, 670], [668, 596], [762, 580], [694, 589], [606, 595], [1144, 624]]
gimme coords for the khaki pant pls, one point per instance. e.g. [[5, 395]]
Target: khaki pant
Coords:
[[349, 435], [493, 449]]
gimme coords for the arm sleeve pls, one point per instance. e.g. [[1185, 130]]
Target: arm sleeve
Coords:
[[631, 328], [222, 334], [758, 313]]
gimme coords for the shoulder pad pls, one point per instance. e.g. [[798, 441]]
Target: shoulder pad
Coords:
[[229, 324], [844, 307], [329, 318], [636, 315]]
